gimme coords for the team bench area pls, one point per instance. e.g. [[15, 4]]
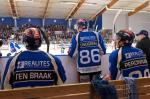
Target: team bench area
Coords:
[[75, 91]]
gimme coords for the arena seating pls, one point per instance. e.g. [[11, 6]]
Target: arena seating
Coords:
[[5, 32], [74, 91]]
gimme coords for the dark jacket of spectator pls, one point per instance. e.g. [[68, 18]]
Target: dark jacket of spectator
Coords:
[[144, 44]]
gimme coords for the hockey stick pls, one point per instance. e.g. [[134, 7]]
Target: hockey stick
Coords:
[[114, 22], [45, 36]]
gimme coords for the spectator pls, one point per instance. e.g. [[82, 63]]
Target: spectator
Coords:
[[144, 44], [32, 67], [127, 61], [89, 47]]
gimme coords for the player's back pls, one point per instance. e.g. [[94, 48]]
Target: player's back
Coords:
[[89, 58], [133, 63], [33, 68]]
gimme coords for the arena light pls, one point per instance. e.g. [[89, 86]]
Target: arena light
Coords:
[[116, 9], [25, 0], [67, 2], [128, 10], [90, 4]]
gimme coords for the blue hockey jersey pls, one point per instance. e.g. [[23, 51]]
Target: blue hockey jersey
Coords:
[[14, 48], [88, 46], [132, 63], [32, 68]]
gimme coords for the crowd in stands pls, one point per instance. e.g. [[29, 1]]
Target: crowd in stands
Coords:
[[55, 28], [57, 32], [6, 31]]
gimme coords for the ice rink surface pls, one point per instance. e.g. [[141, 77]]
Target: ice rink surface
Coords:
[[55, 49]]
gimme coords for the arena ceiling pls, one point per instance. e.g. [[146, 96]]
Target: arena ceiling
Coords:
[[69, 8]]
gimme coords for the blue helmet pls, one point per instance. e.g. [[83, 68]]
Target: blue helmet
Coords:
[[32, 38]]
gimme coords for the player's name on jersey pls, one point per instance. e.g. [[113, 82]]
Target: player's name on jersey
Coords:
[[34, 75], [86, 44], [88, 38], [29, 64], [137, 62]]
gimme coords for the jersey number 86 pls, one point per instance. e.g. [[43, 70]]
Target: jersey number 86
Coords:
[[85, 56]]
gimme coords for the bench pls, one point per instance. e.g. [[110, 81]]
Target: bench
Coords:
[[74, 91]]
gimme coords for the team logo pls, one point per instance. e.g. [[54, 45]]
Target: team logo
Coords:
[[20, 64]]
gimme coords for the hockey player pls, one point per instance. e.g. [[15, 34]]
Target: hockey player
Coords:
[[32, 67], [89, 47], [127, 61], [14, 48]]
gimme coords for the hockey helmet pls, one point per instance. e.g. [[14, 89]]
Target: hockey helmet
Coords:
[[32, 38], [126, 36], [82, 23]]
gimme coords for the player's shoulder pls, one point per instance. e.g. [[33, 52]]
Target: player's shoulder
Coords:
[[135, 52], [136, 49], [51, 56], [28, 53], [114, 53], [93, 32], [88, 33]]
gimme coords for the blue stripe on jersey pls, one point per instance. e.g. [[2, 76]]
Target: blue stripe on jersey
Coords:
[[73, 46], [5, 72], [102, 43], [113, 57], [12, 47], [61, 70]]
